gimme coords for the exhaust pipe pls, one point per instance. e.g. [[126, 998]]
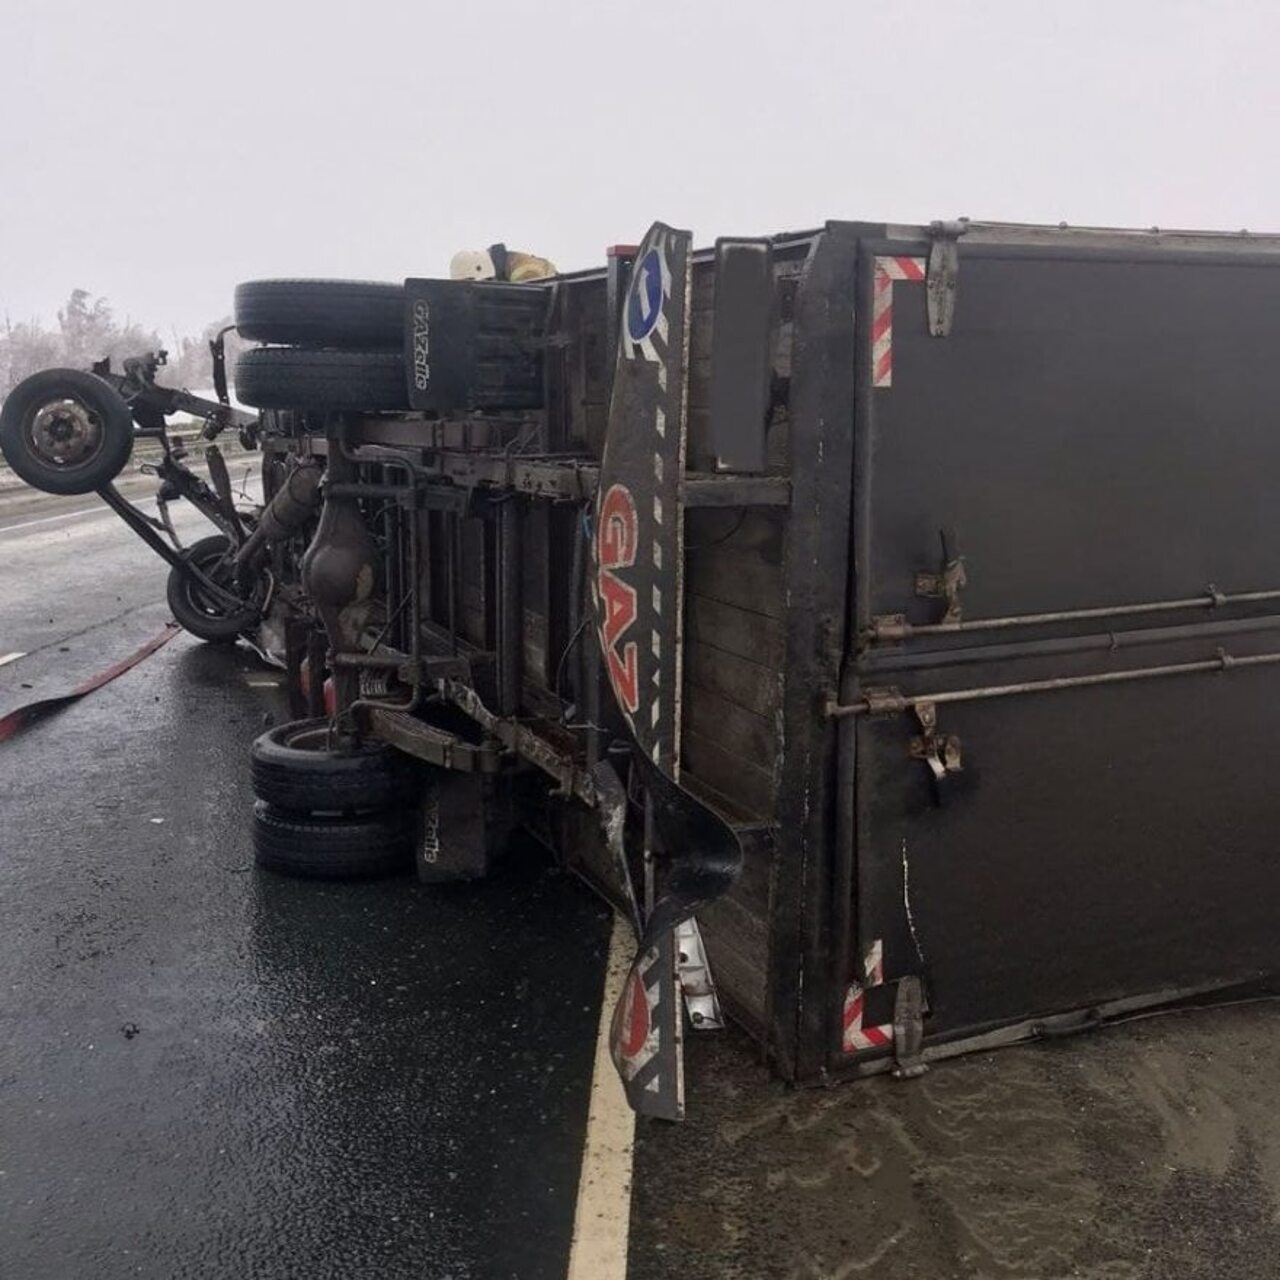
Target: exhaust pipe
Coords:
[[285, 514]]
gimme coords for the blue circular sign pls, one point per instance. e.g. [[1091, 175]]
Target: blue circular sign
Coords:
[[644, 306]]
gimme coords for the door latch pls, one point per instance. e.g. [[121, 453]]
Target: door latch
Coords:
[[948, 582], [940, 751]]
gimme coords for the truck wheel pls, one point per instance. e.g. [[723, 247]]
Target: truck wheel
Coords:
[[294, 378], [361, 315], [315, 848], [203, 615], [295, 769], [65, 431]]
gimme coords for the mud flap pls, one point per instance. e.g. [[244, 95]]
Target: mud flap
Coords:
[[638, 591]]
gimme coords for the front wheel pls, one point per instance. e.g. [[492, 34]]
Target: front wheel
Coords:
[[199, 611], [64, 431]]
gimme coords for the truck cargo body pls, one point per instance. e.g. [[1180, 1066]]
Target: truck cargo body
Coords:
[[976, 624]]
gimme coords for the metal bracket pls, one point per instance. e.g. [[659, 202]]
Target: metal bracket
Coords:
[[881, 699], [437, 746], [888, 626], [908, 1029], [948, 582], [695, 978], [942, 274], [940, 751]]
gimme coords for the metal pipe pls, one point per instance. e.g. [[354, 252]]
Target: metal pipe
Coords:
[[452, 520], [883, 629], [140, 525], [883, 661], [415, 622], [370, 661], [510, 607], [370, 489], [291, 506], [899, 702], [577, 597], [846, 845]]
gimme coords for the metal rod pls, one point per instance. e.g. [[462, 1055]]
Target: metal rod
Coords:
[[368, 489], [510, 607], [370, 661], [882, 629], [882, 662], [451, 520], [139, 524], [317, 651], [385, 457], [899, 702]]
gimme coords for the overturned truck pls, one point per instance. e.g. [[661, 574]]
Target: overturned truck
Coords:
[[881, 617]]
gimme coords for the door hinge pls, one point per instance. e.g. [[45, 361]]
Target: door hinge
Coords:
[[908, 1029], [942, 274], [948, 582]]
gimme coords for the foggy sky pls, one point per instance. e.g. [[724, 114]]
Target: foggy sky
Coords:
[[160, 154]]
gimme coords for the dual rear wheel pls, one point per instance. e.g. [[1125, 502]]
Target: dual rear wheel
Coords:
[[335, 345], [327, 810]]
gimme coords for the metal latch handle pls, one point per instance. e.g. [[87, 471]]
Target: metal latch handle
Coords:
[[948, 582]]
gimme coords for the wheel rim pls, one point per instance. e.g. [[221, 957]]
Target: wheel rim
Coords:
[[217, 569], [312, 738], [65, 433], [319, 738]]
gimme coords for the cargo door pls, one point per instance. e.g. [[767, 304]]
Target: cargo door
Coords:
[[1067, 551]]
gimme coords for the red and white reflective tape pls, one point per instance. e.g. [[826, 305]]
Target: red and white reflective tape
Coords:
[[887, 271], [856, 1036]]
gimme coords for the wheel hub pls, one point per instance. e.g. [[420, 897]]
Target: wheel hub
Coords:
[[66, 433]]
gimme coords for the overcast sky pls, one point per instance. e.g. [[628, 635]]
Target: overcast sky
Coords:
[[159, 154]]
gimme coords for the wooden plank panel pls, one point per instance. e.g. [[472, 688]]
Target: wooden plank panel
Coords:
[[729, 629], [700, 456], [735, 531], [751, 889], [749, 583], [746, 931], [700, 336], [700, 383], [753, 736], [746, 683], [748, 787], [702, 292], [740, 978]]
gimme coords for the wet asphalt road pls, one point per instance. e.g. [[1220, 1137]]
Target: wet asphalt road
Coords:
[[209, 1071], [206, 1071]]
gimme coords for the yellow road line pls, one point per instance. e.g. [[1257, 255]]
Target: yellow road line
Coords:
[[602, 1220]]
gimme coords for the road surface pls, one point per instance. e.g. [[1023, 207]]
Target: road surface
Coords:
[[208, 1071]]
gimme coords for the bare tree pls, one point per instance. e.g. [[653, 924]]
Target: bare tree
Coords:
[[88, 331]]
